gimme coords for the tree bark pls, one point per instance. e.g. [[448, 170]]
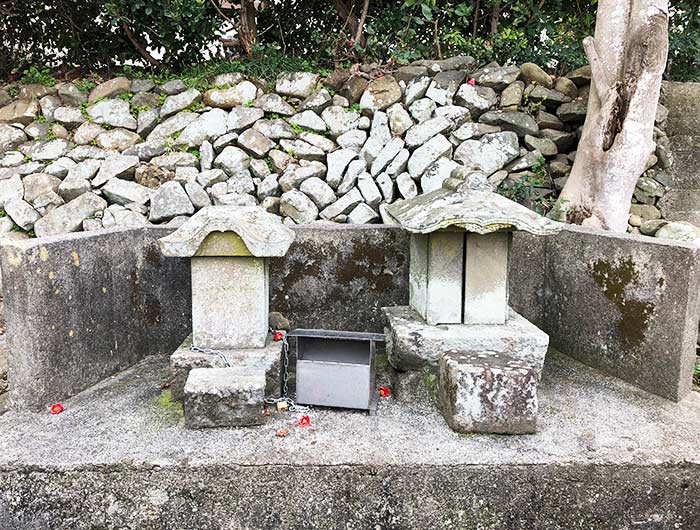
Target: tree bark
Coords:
[[353, 13], [628, 57], [248, 28]]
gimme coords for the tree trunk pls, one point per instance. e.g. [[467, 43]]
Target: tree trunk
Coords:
[[353, 13], [628, 58], [248, 29]]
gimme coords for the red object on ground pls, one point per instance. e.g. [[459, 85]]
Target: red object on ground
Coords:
[[57, 408], [471, 82], [384, 391], [278, 336], [304, 421]]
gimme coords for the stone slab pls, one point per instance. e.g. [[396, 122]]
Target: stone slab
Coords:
[[224, 397], [339, 277], [627, 305], [412, 344], [486, 278], [265, 360], [81, 307], [486, 392], [230, 297], [681, 100], [607, 456]]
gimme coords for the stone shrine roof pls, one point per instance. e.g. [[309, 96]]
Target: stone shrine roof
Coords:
[[470, 204], [262, 233]]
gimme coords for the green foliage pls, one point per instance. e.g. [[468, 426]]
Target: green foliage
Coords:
[[38, 76], [85, 85], [696, 372]]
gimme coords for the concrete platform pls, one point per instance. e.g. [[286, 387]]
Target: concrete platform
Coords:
[[606, 456]]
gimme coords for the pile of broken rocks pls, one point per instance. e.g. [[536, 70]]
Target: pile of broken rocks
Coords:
[[130, 152]]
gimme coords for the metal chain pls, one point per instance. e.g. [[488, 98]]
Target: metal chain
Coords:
[[291, 405]]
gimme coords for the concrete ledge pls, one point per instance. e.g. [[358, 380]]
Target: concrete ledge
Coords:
[[608, 456]]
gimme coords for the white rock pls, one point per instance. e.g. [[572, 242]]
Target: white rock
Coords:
[[416, 89], [386, 155], [170, 200], [255, 143], [369, 190], [309, 120], [179, 102], [387, 187], [380, 127], [399, 119], [120, 191], [422, 132], [241, 118], [354, 139], [232, 160], [399, 164], [296, 84], [422, 110], [69, 217], [318, 191], [114, 112], [22, 213], [428, 153], [338, 162], [489, 154], [300, 208], [343, 205], [339, 120], [436, 174], [362, 214], [207, 126], [407, 186]]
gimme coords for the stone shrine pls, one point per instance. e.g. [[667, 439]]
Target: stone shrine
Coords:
[[230, 364], [458, 324]]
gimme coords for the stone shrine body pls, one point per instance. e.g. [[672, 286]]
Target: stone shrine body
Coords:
[[229, 365], [458, 324]]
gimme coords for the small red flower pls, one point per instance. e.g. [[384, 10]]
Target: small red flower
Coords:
[[57, 408], [304, 421], [350, 44], [278, 336], [384, 391], [471, 82]]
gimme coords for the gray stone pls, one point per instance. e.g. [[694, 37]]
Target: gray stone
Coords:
[[399, 164], [69, 217], [241, 118], [399, 119], [436, 173], [362, 214], [235, 199], [37, 184], [512, 96], [308, 120], [21, 111], [294, 175], [69, 116], [179, 102], [444, 86], [141, 85], [679, 231], [114, 112], [531, 73], [574, 111], [316, 140], [337, 164], [581, 76], [424, 156], [73, 186], [148, 150], [519, 122], [71, 95], [120, 166], [422, 132], [544, 145], [198, 197], [422, 110], [545, 120], [496, 77], [21, 213], [255, 143], [472, 130], [207, 155], [485, 392], [207, 126], [354, 139], [387, 187], [416, 89], [224, 397], [298, 206], [224, 141], [37, 130], [172, 87], [44, 151], [274, 104], [369, 190], [567, 87], [119, 191], [296, 84], [564, 141], [380, 94], [109, 89], [228, 98], [232, 160], [228, 79], [10, 137], [386, 156], [380, 127], [170, 200], [86, 133], [343, 205], [171, 126], [318, 191], [47, 201], [339, 120], [268, 187], [317, 102], [117, 140], [407, 186], [302, 150]]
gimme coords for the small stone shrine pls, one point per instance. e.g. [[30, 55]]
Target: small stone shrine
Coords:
[[230, 364], [488, 359]]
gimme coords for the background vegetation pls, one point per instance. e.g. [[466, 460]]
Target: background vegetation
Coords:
[[172, 35]]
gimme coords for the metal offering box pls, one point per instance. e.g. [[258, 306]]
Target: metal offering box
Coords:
[[336, 368]]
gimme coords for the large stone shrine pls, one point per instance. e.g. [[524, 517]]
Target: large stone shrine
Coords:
[[458, 324], [230, 364]]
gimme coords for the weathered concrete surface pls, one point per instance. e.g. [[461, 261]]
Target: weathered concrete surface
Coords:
[[81, 307], [339, 277], [626, 305], [608, 456]]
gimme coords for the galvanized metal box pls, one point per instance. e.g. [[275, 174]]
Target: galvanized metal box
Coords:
[[336, 368]]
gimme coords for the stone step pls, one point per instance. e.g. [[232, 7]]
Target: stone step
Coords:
[[224, 397], [487, 392], [265, 361]]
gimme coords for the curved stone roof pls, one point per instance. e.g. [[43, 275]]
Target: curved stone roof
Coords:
[[263, 233], [473, 210]]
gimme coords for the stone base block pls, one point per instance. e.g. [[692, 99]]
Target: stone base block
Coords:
[[487, 393], [266, 361], [412, 344], [224, 397]]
